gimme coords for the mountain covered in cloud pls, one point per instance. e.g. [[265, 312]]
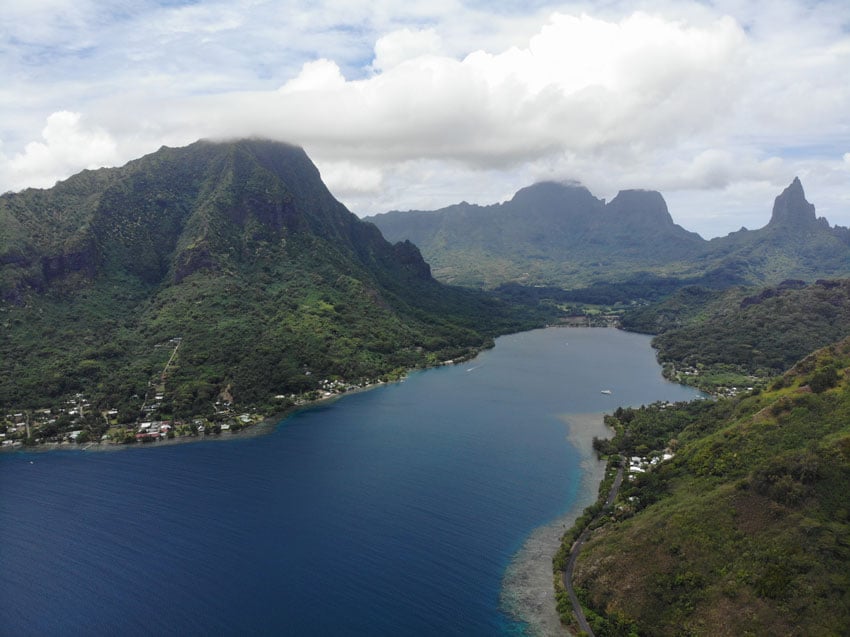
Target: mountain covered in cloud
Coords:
[[560, 234]]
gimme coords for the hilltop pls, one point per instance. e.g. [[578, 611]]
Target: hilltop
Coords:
[[237, 252], [559, 234]]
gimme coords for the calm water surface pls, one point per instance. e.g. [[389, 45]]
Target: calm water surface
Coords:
[[389, 512]]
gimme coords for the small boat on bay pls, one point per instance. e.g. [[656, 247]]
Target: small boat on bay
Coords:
[[607, 392]]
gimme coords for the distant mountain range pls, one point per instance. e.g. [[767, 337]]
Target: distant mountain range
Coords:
[[237, 250], [560, 234]]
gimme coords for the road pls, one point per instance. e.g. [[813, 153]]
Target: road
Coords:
[[568, 573]]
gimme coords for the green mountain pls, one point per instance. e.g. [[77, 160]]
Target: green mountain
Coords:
[[561, 235], [547, 233], [713, 338], [218, 272], [795, 244], [745, 530]]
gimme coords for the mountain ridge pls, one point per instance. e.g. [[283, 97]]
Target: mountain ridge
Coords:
[[570, 244], [85, 224]]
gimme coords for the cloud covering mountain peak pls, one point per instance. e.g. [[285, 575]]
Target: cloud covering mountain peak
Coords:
[[417, 106]]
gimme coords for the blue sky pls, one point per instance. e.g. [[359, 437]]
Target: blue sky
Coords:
[[717, 104]]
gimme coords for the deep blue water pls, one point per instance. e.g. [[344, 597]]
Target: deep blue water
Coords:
[[389, 512]]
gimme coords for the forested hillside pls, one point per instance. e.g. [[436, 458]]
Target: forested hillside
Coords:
[[744, 529], [219, 273], [708, 337]]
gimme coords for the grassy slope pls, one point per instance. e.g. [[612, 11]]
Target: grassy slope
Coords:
[[747, 529]]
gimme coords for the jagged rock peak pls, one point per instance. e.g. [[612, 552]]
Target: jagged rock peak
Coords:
[[791, 208]]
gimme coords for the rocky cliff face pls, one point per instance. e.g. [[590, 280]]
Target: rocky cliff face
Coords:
[[568, 206], [639, 209], [640, 219], [792, 211]]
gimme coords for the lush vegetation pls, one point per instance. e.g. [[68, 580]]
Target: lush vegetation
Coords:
[[637, 290], [746, 530], [232, 265], [742, 336]]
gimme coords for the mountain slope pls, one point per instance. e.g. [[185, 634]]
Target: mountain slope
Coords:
[[559, 234], [746, 530], [239, 250]]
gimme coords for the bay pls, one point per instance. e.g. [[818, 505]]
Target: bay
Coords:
[[408, 509]]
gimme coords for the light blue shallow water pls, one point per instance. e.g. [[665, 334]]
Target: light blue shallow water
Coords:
[[389, 512]]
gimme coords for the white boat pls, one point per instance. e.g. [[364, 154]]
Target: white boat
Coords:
[[607, 392]]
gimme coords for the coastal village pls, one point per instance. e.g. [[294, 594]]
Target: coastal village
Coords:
[[717, 381], [77, 423], [642, 464]]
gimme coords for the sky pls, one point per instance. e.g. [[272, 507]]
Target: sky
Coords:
[[717, 104]]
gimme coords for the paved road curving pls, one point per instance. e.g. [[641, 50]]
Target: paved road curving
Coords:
[[568, 573]]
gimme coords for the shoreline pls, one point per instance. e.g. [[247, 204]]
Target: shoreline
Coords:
[[527, 590], [261, 428]]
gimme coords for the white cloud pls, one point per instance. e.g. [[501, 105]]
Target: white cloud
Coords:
[[405, 44], [67, 146], [199, 19], [345, 178], [413, 104], [571, 88], [320, 75]]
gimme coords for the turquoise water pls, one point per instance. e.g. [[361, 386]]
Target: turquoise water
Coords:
[[394, 511]]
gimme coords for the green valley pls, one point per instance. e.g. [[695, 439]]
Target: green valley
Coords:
[[201, 289], [731, 518]]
